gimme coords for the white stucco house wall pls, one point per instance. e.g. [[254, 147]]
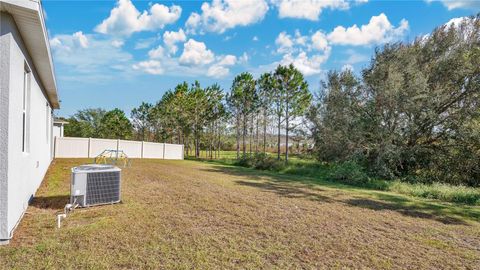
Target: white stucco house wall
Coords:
[[28, 96], [58, 128]]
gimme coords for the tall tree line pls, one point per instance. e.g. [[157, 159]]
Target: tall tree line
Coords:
[[200, 117], [188, 114], [413, 113], [282, 94]]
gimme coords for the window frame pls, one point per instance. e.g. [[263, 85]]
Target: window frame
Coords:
[[27, 72]]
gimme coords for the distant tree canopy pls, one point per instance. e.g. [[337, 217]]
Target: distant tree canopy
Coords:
[[141, 119], [412, 114], [85, 123], [115, 125], [98, 123]]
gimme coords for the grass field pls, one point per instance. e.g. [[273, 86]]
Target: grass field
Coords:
[[313, 169], [191, 214]]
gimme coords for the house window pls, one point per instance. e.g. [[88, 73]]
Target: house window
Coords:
[[26, 110]]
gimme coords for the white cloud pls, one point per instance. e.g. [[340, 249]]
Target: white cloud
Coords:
[[255, 38], [464, 26], [228, 60], [222, 15], [144, 43], [157, 53], [305, 64], [82, 56], [457, 4], [299, 39], [125, 19], [171, 38], [117, 43], [193, 22], [288, 44], [296, 50], [244, 58], [455, 21], [229, 37], [220, 68], [81, 39], [307, 9], [319, 41], [196, 53], [195, 60], [216, 71], [378, 30], [55, 42], [347, 67], [151, 67], [284, 42]]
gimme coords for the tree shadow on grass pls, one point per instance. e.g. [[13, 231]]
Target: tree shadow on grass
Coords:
[[410, 211], [292, 186], [56, 202], [285, 190], [448, 212], [256, 175]]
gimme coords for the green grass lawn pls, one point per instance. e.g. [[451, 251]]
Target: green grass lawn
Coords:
[[231, 155], [201, 215], [224, 155], [316, 171]]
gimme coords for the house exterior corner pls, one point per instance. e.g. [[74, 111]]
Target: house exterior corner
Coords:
[[26, 111]]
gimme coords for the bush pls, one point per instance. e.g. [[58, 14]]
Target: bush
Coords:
[[353, 173], [260, 161], [443, 192], [350, 172], [244, 161]]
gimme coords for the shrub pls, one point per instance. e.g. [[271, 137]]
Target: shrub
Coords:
[[260, 161], [266, 162], [350, 172], [353, 173], [443, 192], [244, 161]]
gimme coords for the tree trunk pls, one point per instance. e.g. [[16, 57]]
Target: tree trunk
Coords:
[[197, 146], [244, 134], [238, 137], [210, 145], [278, 133], [264, 131], [256, 136], [214, 139], [219, 141], [251, 135], [197, 150], [286, 138]]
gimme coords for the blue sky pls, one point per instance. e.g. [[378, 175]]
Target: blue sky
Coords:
[[116, 54]]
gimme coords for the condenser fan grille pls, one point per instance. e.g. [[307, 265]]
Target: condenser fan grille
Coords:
[[103, 187]]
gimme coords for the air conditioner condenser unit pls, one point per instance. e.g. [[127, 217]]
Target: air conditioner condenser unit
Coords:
[[95, 184]]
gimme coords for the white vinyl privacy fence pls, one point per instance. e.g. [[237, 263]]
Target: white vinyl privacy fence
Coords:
[[71, 147]]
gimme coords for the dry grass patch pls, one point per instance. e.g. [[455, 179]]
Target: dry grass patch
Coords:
[[187, 214]]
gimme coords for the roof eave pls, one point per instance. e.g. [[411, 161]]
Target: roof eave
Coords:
[[35, 36]]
